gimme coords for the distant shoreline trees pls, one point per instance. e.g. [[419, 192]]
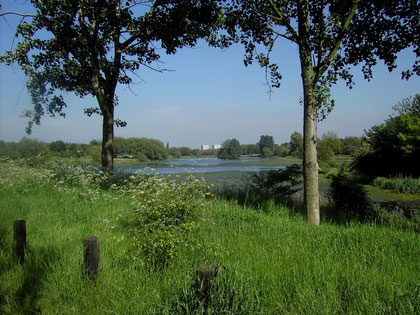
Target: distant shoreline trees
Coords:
[[145, 149]]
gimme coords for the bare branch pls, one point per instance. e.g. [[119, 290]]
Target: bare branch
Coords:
[[17, 13]]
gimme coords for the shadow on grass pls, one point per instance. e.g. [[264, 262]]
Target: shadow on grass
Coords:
[[37, 264], [262, 202], [229, 294], [389, 215]]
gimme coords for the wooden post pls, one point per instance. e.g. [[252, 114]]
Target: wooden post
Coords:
[[91, 257], [205, 275], [19, 239]]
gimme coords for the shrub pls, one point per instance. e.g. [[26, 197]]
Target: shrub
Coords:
[[164, 211], [141, 157], [280, 184], [349, 198]]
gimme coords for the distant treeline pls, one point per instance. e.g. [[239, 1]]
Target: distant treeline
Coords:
[[329, 145], [145, 149]]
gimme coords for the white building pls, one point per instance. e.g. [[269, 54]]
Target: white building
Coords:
[[216, 146], [205, 147]]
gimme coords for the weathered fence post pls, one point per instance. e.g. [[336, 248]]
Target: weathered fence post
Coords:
[[205, 275], [19, 239], [91, 257]]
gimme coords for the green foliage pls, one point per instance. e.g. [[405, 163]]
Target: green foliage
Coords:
[[152, 149], [279, 184], [265, 142], [95, 152], [281, 150], [163, 212], [231, 150], [249, 149], [331, 140], [349, 198], [296, 145], [399, 184], [325, 154], [141, 157], [57, 146], [392, 148], [267, 152], [351, 145]]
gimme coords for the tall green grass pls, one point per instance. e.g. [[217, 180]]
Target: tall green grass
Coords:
[[270, 262], [399, 184]]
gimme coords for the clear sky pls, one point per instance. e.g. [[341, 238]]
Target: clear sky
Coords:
[[210, 96]]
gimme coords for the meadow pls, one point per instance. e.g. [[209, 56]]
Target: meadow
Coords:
[[155, 232]]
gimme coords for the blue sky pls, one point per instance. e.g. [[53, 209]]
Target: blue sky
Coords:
[[209, 96]]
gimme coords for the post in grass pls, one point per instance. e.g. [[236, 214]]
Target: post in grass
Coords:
[[19, 239], [205, 276], [91, 257]]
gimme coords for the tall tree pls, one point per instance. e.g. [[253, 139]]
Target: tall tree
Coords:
[[296, 144], [89, 47], [265, 142], [331, 35], [230, 150]]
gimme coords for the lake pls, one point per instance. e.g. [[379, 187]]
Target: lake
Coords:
[[205, 165]]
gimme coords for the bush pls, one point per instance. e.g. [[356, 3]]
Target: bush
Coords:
[[279, 184], [141, 157], [164, 211], [349, 198]]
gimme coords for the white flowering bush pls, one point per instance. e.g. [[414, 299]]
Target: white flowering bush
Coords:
[[164, 210]]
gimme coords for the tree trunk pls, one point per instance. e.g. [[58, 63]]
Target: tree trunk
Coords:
[[108, 136], [310, 118], [310, 161]]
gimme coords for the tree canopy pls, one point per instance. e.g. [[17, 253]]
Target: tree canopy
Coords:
[[393, 148], [89, 47]]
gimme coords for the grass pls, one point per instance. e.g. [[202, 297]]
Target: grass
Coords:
[[399, 184], [270, 263]]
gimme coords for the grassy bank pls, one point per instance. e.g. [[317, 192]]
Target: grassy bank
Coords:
[[270, 263]]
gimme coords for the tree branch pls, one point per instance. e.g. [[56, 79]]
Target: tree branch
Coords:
[[323, 66], [283, 20], [17, 13]]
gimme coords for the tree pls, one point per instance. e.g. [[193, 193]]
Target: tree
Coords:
[[393, 148], [351, 145], [89, 47], [331, 139], [249, 149], [325, 153], [296, 145], [266, 142], [281, 150], [331, 36], [231, 150], [58, 146]]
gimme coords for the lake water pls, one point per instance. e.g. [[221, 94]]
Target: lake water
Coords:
[[201, 165]]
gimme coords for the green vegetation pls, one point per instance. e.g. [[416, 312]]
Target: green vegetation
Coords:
[[154, 233], [230, 150], [142, 148], [399, 184], [393, 148]]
